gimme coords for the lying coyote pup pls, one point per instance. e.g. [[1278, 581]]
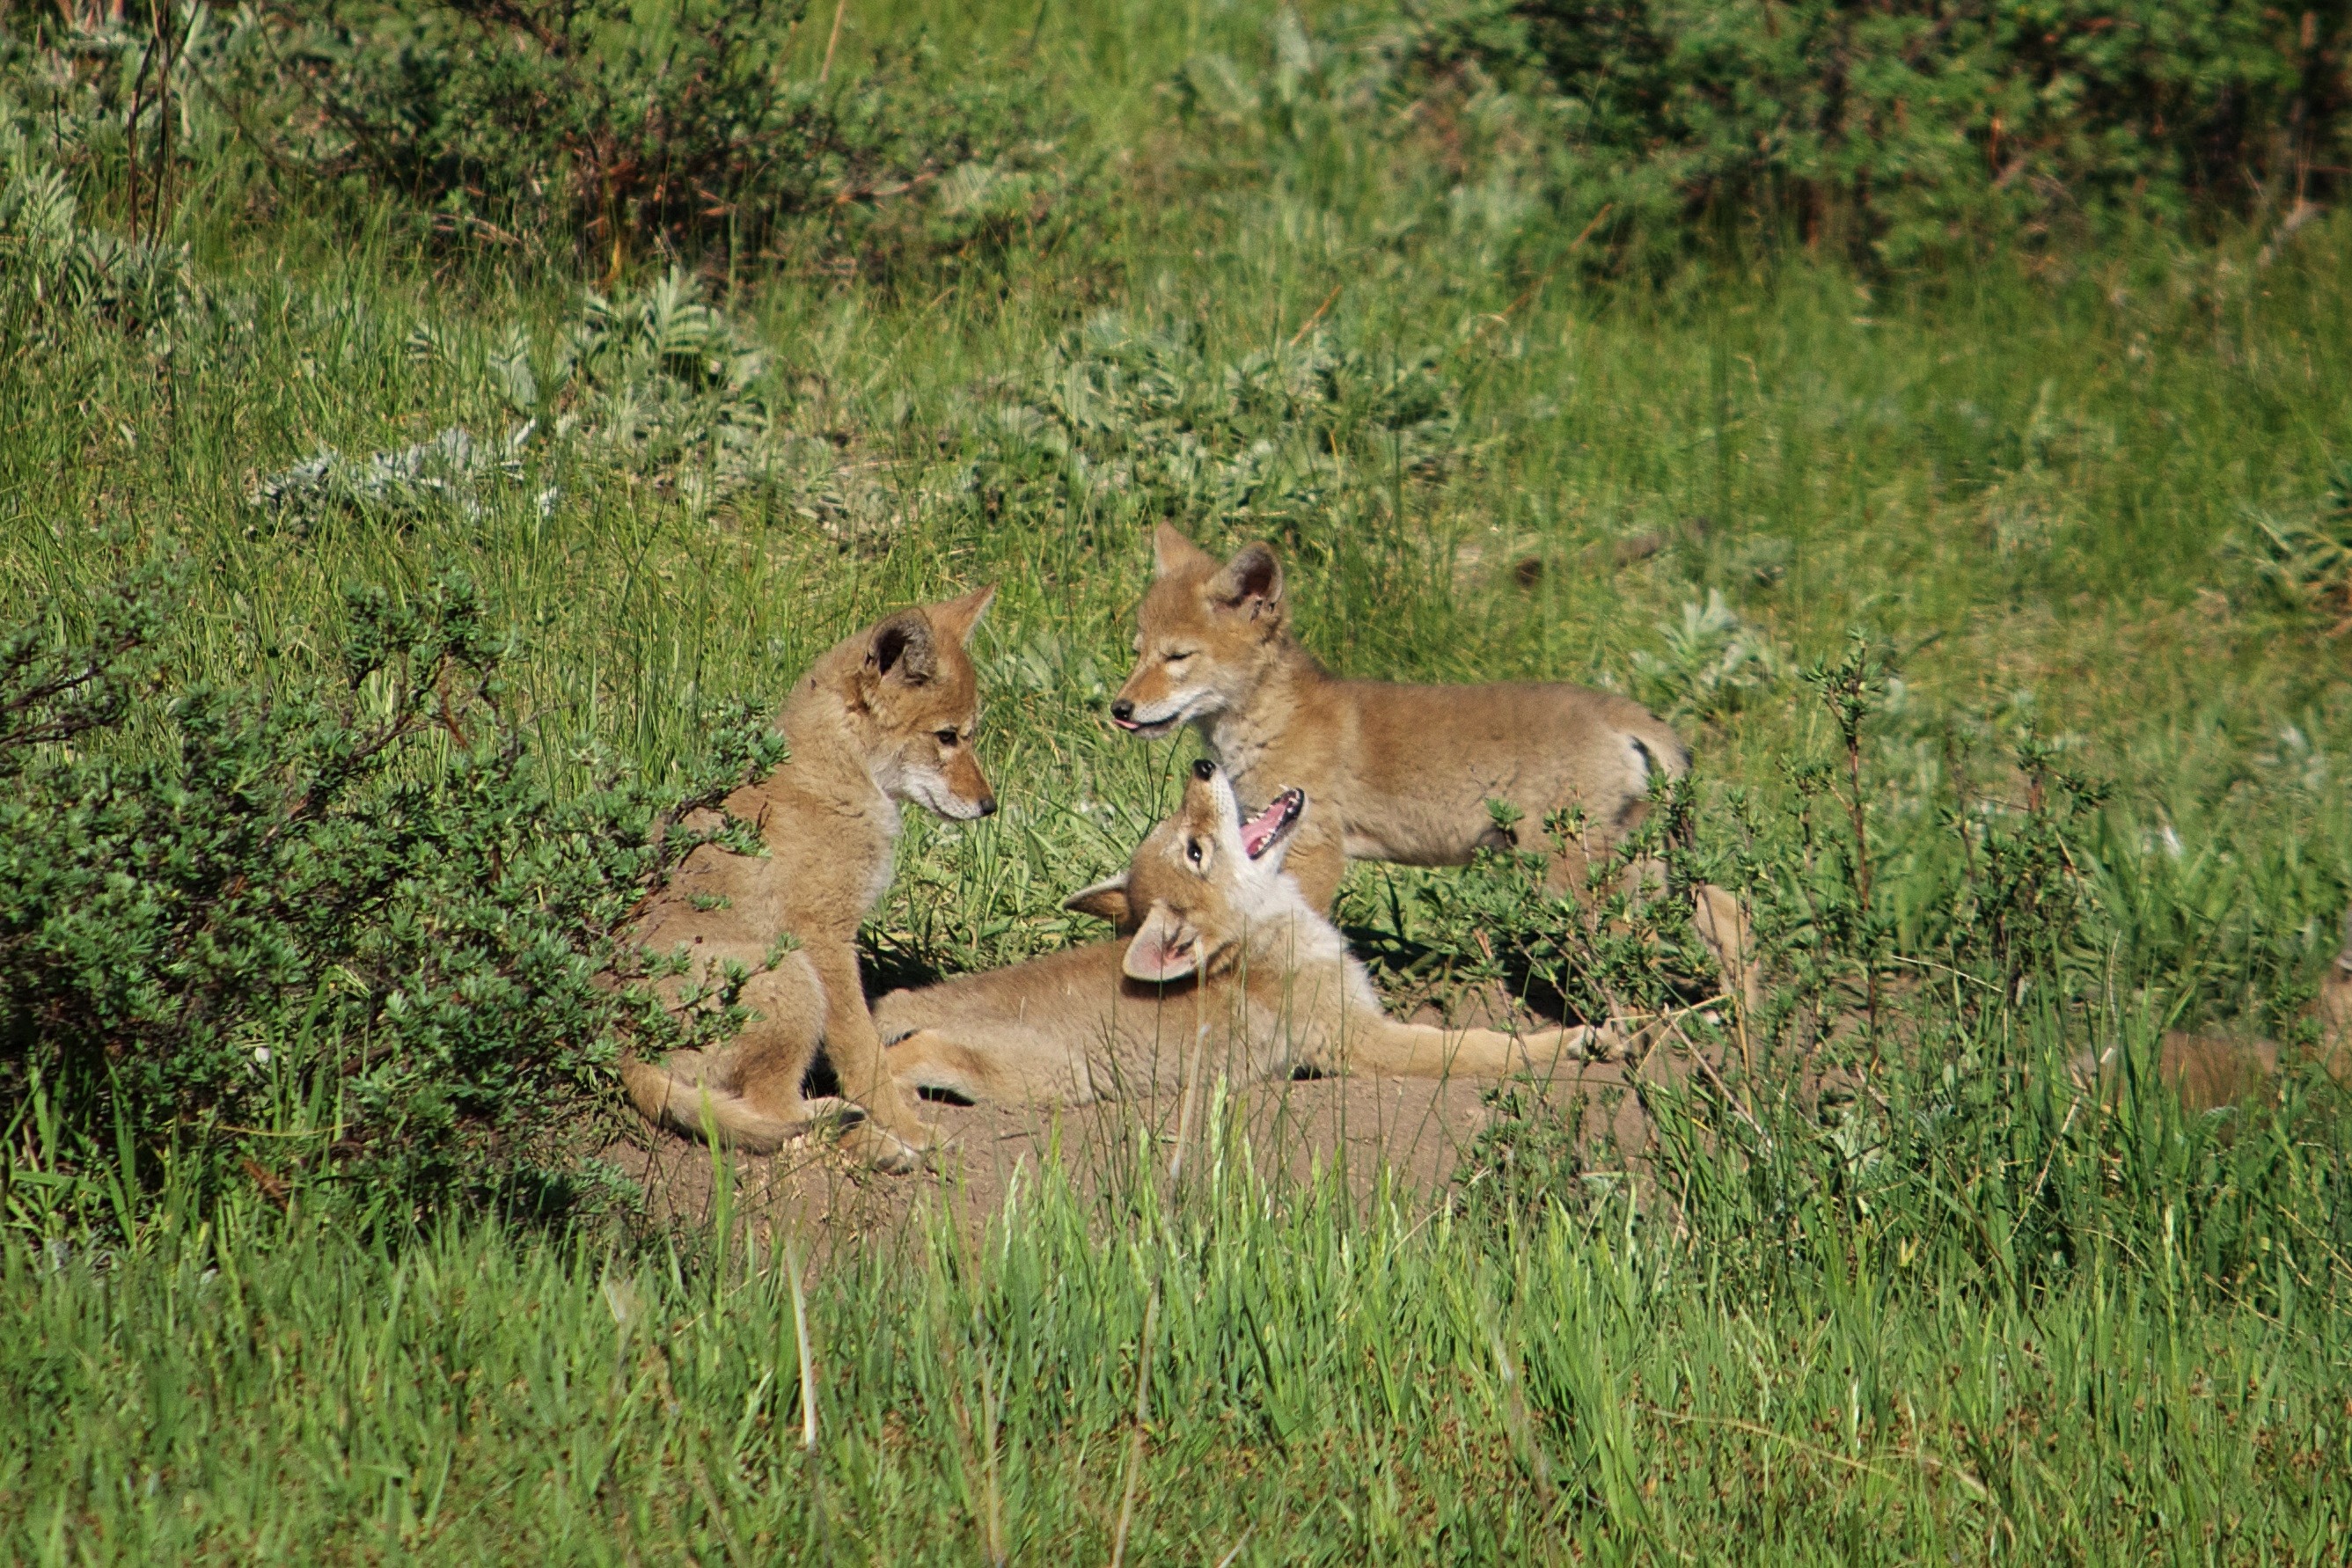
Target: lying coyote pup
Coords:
[[2211, 1069], [1227, 958], [1399, 772], [886, 715]]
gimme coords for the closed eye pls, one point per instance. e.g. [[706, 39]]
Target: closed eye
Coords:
[[1177, 658]]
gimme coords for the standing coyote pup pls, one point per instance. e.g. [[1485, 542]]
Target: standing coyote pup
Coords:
[[886, 716], [1227, 957], [1399, 772]]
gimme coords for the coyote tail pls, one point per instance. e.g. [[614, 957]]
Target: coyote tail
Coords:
[[700, 1111]]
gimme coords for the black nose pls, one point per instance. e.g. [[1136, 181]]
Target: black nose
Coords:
[[1204, 770], [1123, 709], [987, 806]]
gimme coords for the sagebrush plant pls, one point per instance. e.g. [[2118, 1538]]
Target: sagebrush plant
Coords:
[[1713, 663], [1123, 422], [54, 266], [649, 385], [347, 928]]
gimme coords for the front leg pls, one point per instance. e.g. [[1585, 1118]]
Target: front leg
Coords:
[[855, 1049]]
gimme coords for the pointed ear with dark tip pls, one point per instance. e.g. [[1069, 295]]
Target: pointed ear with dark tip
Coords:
[[901, 648], [1172, 552], [1251, 581], [1106, 900], [1161, 950], [957, 618]]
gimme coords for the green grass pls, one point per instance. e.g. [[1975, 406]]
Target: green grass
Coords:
[[1316, 1385], [2021, 477]]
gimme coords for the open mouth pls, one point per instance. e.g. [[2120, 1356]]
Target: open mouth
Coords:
[[1268, 827], [1148, 728]]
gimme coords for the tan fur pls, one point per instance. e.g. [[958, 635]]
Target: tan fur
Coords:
[[886, 716], [2208, 1069], [1229, 970], [1398, 773]]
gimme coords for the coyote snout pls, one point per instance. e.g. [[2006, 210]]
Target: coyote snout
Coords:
[[942, 776], [1206, 877], [1203, 644]]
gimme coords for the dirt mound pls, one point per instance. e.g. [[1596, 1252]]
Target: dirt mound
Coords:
[[1413, 1130]]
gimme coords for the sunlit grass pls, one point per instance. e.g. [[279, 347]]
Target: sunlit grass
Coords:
[[2020, 480]]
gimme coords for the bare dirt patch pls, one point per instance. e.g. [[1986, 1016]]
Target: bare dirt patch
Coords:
[[1411, 1131]]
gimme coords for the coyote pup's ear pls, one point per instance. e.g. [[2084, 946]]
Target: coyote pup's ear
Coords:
[[901, 647], [1251, 583], [1162, 951], [1106, 900], [1172, 552], [957, 618]]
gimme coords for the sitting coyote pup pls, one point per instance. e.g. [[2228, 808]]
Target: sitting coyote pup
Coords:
[[1227, 957], [1399, 772], [886, 716]]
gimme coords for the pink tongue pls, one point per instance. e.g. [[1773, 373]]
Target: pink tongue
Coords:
[[1259, 828]]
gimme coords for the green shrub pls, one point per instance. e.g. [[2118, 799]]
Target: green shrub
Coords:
[[651, 382], [1904, 128], [56, 271], [347, 927], [633, 127]]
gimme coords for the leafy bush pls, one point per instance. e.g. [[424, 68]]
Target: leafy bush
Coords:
[[353, 927], [633, 128], [1713, 663], [1900, 127], [1899, 133]]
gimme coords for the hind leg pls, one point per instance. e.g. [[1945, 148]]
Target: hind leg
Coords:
[[746, 1092], [1383, 1047], [983, 1065], [767, 1062], [929, 1060]]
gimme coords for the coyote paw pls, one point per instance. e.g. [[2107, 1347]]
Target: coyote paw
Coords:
[[896, 1150]]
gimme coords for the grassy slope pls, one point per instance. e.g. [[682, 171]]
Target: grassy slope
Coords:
[[2024, 479]]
